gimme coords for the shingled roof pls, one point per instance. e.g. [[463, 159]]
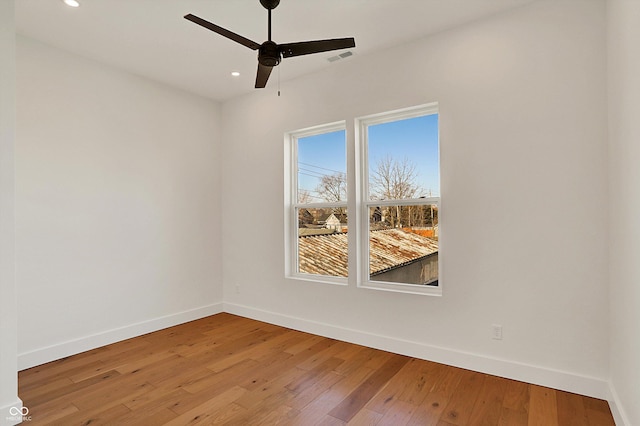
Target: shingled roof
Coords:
[[389, 248]]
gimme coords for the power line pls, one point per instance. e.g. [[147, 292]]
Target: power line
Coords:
[[313, 176], [308, 190], [312, 171], [323, 168]]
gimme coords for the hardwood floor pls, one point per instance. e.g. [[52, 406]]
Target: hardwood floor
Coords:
[[226, 369]]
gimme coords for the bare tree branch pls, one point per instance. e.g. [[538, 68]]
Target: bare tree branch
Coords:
[[333, 188], [394, 179], [304, 196]]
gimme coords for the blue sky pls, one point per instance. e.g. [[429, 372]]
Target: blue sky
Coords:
[[415, 139]]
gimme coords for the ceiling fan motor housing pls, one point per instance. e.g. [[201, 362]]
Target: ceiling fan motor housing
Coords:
[[270, 4], [269, 54]]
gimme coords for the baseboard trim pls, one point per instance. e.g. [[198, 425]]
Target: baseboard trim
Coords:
[[556, 379], [619, 415], [12, 414], [76, 346]]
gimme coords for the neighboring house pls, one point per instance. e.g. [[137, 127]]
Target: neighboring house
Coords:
[[395, 255], [332, 222], [320, 218], [305, 218]]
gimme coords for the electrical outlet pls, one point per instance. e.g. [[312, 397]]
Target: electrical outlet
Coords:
[[496, 331], [237, 289]]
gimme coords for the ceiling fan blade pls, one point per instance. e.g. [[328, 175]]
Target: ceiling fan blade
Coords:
[[307, 47], [223, 32], [262, 76]]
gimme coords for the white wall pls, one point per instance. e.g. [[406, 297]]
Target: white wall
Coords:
[[523, 139], [8, 325], [117, 202], [623, 17]]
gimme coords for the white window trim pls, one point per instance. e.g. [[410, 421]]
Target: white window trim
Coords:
[[358, 203], [291, 203], [363, 202]]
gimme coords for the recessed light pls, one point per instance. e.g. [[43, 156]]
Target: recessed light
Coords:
[[72, 3], [235, 74]]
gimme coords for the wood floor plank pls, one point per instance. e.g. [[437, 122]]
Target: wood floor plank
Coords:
[[318, 387], [50, 387], [421, 380], [135, 364], [448, 382], [399, 413], [52, 414], [488, 408], [284, 361], [310, 377], [458, 410], [516, 395], [276, 343], [97, 417], [277, 396], [225, 416], [65, 395], [330, 398], [599, 418], [393, 389], [160, 416], [571, 411], [543, 408], [331, 352], [207, 412], [430, 410], [412, 384], [365, 417], [307, 342], [34, 377], [226, 369], [515, 404], [513, 417], [329, 421], [353, 403], [355, 357], [598, 412], [112, 394], [224, 379], [276, 416]]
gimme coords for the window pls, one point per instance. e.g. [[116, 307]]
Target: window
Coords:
[[318, 200], [396, 181], [399, 229]]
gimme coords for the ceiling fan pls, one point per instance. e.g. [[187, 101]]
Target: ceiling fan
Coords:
[[270, 53]]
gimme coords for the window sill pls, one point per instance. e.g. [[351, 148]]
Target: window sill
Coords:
[[424, 290], [321, 279]]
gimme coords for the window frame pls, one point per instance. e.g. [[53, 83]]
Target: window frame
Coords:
[[357, 204], [365, 203], [292, 205]]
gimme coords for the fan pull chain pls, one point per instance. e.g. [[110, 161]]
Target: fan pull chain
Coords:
[[278, 81]]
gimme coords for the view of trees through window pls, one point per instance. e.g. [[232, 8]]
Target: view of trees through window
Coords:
[[400, 192], [404, 189], [322, 208]]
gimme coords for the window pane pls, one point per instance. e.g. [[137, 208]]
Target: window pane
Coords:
[[403, 159], [322, 241], [322, 168], [403, 244]]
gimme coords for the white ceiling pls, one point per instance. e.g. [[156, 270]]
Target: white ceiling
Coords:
[[151, 38]]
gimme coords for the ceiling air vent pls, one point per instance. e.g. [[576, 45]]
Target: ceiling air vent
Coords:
[[343, 55]]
